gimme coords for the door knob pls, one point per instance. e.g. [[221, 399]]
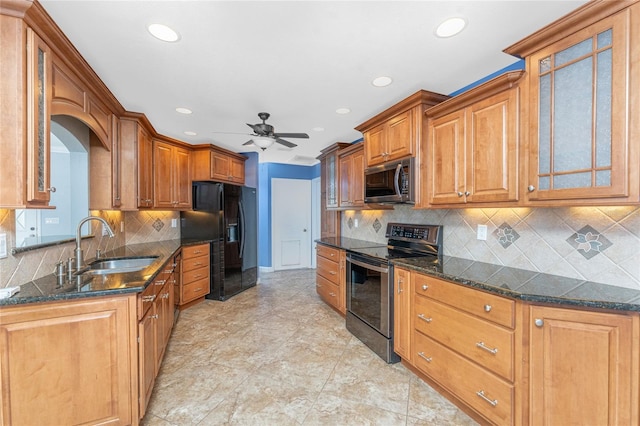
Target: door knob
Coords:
[[304, 230]]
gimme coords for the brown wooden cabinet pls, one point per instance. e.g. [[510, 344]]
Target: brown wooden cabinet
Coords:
[[331, 277], [398, 131], [472, 153], [583, 367], [329, 189], [145, 168], [213, 163], [172, 183], [581, 125], [351, 177], [195, 283], [402, 291], [69, 362]]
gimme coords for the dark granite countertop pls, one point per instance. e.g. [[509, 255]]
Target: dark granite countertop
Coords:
[[46, 289], [515, 283], [527, 285]]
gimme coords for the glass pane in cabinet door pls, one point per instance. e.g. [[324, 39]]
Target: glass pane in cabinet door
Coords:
[[41, 121], [603, 178], [573, 90], [605, 39], [574, 52], [544, 126], [573, 180], [603, 109]]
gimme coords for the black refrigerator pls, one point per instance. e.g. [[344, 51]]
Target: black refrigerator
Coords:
[[226, 215]]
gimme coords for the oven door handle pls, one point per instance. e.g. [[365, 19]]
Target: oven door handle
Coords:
[[376, 268]]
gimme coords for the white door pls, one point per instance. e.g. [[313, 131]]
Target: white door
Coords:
[[291, 223]]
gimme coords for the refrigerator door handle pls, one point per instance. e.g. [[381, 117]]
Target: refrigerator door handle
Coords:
[[241, 230]]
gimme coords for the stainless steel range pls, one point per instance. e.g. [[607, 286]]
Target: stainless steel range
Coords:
[[370, 282]]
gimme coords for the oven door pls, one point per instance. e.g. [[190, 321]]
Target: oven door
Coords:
[[368, 292]]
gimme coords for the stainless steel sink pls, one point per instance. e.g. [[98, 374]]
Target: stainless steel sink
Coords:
[[119, 266]]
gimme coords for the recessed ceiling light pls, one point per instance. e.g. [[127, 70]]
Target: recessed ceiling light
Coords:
[[343, 110], [451, 27], [190, 133], [318, 129], [164, 33], [382, 81], [182, 110]]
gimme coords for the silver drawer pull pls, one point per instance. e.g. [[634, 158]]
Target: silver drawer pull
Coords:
[[332, 294], [156, 316], [148, 298], [487, 308], [198, 289], [493, 402], [332, 272], [160, 282], [423, 356], [481, 345], [425, 287], [422, 317], [197, 264]]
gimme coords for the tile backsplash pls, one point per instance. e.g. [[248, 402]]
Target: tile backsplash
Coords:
[[600, 244], [139, 227]]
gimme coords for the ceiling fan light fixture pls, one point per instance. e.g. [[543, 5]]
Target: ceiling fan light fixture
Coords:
[[451, 27], [263, 142], [163, 32]]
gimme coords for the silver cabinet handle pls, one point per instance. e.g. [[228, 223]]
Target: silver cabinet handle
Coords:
[[156, 316], [481, 394], [148, 298], [481, 345], [487, 308], [467, 193], [460, 194], [400, 282], [159, 282], [423, 356], [531, 188], [425, 319], [539, 322], [332, 272], [425, 287]]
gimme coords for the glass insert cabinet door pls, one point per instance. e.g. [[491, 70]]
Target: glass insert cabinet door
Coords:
[[38, 102], [578, 140]]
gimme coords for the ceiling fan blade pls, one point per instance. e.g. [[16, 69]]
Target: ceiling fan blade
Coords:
[[285, 143], [291, 135], [249, 142]]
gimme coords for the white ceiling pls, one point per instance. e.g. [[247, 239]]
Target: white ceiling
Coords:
[[297, 60]]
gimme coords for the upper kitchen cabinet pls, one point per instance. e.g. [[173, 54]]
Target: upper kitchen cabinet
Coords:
[[217, 164], [172, 184], [329, 218], [351, 177], [582, 127], [397, 132], [472, 149]]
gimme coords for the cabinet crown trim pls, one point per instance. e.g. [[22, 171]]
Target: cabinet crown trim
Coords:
[[496, 85], [570, 23], [421, 97]]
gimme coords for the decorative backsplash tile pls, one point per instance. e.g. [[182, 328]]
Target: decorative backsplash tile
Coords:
[[376, 225], [599, 244], [589, 242], [139, 227]]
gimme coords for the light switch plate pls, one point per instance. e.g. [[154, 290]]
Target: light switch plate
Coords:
[[3, 246], [482, 232]]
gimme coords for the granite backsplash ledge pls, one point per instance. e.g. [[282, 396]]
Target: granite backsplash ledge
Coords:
[[598, 244]]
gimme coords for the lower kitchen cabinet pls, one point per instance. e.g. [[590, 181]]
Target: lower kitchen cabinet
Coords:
[[402, 313], [583, 367], [331, 278], [195, 272], [69, 362]]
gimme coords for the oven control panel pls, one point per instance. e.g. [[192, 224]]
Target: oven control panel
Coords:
[[426, 233]]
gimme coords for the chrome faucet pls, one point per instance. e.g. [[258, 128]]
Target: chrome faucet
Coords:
[[78, 251]]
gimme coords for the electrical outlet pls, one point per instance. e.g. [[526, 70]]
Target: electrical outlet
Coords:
[[174, 223], [122, 226], [3, 246], [104, 231], [355, 222], [482, 232]]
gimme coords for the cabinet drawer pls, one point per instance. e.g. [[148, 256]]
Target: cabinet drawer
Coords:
[[328, 252], [328, 269], [195, 263], [195, 251], [328, 291], [147, 297], [489, 345], [195, 290], [484, 305], [195, 275], [466, 380]]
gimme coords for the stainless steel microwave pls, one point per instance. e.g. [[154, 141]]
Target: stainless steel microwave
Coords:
[[390, 183]]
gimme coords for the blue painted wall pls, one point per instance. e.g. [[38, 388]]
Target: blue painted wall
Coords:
[[518, 65]]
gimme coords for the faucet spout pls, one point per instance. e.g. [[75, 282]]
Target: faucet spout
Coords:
[[78, 250]]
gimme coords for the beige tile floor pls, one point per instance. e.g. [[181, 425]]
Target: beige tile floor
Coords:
[[277, 355]]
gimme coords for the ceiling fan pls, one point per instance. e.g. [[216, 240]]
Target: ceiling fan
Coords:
[[264, 136]]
